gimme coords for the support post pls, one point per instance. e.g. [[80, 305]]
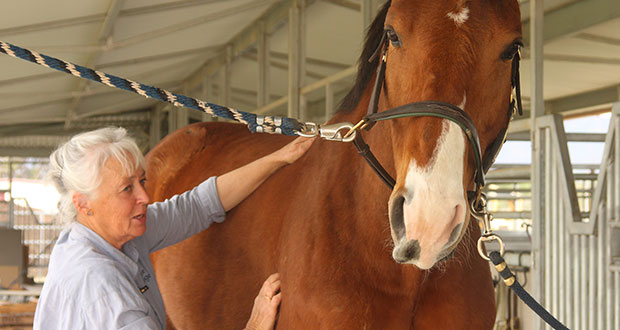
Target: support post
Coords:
[[538, 155], [368, 11], [263, 59], [296, 57], [11, 203], [329, 101], [207, 92], [182, 113], [172, 118], [224, 90], [155, 128]]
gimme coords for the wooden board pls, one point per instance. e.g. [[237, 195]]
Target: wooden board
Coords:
[[17, 316]]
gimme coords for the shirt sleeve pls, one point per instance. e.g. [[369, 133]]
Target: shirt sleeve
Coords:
[[182, 216]]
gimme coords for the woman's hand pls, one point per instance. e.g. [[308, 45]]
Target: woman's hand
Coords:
[[266, 305], [292, 151]]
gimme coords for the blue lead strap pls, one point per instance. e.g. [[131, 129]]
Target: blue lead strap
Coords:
[[255, 123], [511, 281]]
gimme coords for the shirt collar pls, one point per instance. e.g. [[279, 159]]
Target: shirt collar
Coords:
[[128, 256]]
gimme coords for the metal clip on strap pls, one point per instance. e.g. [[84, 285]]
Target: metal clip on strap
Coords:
[[340, 132]]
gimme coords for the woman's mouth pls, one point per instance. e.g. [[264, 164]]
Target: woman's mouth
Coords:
[[140, 217]]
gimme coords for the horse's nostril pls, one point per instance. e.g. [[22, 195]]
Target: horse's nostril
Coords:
[[406, 252], [396, 217], [412, 250]]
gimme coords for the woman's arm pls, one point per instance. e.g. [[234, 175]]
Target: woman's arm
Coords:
[[236, 185]]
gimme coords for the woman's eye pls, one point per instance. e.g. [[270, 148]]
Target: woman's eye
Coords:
[[128, 188], [143, 182]]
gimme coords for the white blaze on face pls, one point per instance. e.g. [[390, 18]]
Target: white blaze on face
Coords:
[[434, 202], [459, 17]]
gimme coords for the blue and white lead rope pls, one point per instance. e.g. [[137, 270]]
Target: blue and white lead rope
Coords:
[[256, 123]]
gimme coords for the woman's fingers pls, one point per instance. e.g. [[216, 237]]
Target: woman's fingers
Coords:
[[271, 285], [266, 305]]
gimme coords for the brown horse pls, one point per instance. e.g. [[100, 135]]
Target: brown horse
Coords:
[[322, 222]]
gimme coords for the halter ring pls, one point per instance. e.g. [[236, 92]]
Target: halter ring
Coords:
[[488, 238]]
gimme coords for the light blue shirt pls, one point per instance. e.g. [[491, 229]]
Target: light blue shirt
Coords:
[[92, 285]]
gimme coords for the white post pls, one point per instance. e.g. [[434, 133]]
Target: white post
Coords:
[[538, 155], [262, 47], [224, 89], [296, 57], [206, 93], [368, 11], [182, 112], [155, 128], [329, 101]]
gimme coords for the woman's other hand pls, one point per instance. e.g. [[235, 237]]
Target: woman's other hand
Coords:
[[266, 305]]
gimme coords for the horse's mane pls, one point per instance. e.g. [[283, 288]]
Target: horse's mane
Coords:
[[365, 69]]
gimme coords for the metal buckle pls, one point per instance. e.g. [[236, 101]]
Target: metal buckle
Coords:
[[309, 130], [488, 238], [478, 207], [337, 132], [340, 132]]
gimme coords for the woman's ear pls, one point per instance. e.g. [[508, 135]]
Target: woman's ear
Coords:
[[81, 204]]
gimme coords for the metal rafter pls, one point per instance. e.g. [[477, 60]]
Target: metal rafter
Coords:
[[599, 39], [273, 18], [98, 17], [104, 37], [346, 4], [525, 53], [562, 22]]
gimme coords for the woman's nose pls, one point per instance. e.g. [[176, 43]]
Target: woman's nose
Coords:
[[142, 195]]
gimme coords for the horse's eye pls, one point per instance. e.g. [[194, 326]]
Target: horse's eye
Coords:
[[393, 37], [510, 52]]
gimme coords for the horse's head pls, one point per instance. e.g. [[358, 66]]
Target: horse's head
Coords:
[[459, 52]]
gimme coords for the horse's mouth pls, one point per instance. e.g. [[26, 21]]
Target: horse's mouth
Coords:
[[408, 251]]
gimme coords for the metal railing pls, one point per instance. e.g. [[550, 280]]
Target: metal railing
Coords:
[[39, 234]]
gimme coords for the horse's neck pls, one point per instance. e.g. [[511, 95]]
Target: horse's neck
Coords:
[[355, 197]]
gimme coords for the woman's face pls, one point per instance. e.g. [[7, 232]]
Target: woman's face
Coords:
[[119, 210]]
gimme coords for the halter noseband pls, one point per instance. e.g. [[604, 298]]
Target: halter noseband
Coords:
[[432, 109]]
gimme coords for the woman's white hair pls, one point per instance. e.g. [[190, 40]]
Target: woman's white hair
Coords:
[[76, 165]]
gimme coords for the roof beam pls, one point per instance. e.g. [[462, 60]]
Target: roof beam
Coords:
[[284, 66], [574, 17], [105, 37], [346, 4], [574, 58], [599, 39], [598, 98], [273, 18], [309, 60], [98, 17], [208, 52], [190, 23]]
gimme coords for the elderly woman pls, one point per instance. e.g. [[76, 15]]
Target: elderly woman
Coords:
[[100, 275]]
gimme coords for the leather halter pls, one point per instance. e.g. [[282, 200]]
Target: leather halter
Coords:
[[433, 109]]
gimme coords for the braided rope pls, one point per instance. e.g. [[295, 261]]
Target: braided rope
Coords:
[[255, 123]]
